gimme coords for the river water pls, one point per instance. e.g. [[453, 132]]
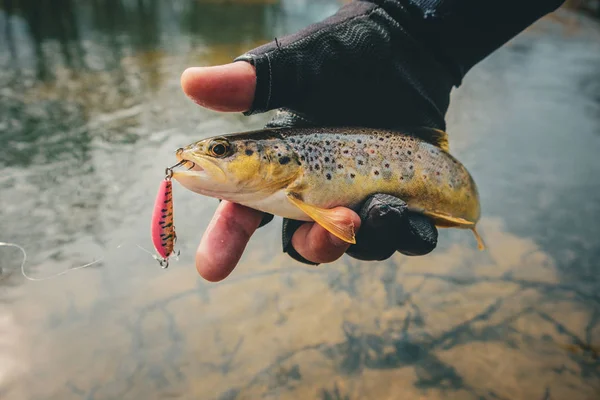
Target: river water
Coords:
[[91, 111]]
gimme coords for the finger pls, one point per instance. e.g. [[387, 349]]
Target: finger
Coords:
[[228, 87], [316, 244], [225, 239]]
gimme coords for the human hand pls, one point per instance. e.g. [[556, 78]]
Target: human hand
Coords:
[[361, 82], [230, 88], [380, 64]]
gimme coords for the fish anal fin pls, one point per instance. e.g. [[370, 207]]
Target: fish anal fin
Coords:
[[480, 242], [433, 136], [327, 218], [443, 220]]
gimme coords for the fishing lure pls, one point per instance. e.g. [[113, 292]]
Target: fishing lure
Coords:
[[163, 230]]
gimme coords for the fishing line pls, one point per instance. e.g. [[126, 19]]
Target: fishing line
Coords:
[[163, 230], [30, 278]]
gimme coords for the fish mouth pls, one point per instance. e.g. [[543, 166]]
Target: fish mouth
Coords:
[[192, 164]]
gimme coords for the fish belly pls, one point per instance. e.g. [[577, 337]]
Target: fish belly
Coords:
[[278, 204]]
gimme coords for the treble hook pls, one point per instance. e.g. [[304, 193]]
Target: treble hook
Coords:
[[169, 170]]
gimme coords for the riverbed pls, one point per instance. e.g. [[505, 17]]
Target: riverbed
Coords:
[[91, 110]]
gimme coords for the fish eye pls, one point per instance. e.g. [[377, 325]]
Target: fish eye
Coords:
[[219, 148]]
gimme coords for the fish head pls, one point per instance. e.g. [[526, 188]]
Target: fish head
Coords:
[[236, 168]]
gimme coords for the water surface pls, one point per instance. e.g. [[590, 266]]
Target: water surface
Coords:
[[90, 113]]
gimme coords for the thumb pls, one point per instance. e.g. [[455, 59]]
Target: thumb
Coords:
[[228, 88]]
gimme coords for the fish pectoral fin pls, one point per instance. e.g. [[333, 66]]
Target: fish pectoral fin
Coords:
[[447, 221], [328, 219]]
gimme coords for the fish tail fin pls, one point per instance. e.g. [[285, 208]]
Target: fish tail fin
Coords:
[[480, 243]]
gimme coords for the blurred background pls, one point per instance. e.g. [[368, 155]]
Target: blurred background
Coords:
[[91, 111]]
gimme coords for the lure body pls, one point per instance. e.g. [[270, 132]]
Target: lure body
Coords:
[[163, 231]]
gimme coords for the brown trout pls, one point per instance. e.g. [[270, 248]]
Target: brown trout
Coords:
[[302, 173]]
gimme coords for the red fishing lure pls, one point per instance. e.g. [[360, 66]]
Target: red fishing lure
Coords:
[[163, 230]]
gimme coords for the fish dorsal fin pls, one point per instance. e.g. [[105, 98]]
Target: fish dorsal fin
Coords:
[[433, 136]]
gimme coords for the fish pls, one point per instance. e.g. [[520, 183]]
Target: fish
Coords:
[[303, 173]]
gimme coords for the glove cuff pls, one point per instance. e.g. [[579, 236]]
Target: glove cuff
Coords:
[[262, 94]]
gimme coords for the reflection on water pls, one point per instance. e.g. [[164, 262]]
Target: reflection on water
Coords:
[[90, 113]]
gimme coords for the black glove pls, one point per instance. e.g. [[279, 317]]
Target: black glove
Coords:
[[382, 64]]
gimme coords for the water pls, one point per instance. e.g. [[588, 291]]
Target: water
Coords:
[[90, 113]]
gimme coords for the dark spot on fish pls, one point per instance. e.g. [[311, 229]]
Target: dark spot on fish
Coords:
[[310, 148], [397, 153], [345, 152], [340, 166], [381, 139], [327, 142], [310, 159], [359, 141], [249, 152], [352, 176], [388, 136], [275, 147], [376, 172], [328, 177], [302, 158], [410, 167], [409, 152], [317, 167], [437, 173], [403, 139], [284, 160], [401, 178], [361, 162], [293, 140], [387, 165], [326, 159]]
